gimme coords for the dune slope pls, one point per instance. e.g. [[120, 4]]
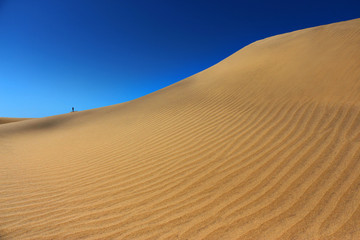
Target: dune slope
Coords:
[[263, 145], [4, 120]]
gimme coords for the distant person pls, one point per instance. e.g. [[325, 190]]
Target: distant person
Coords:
[[73, 109]]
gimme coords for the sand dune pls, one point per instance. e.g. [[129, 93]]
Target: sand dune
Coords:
[[263, 145], [10, 120]]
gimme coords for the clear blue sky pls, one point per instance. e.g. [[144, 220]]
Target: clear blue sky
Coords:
[[55, 54]]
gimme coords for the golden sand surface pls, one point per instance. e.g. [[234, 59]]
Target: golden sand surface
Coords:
[[263, 145], [4, 120]]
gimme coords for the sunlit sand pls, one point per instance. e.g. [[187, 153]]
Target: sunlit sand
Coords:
[[263, 145]]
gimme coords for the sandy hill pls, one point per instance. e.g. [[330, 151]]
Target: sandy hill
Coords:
[[263, 145], [4, 120]]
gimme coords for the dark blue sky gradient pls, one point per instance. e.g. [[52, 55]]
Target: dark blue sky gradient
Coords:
[[92, 53]]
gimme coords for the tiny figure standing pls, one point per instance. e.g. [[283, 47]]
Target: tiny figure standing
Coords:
[[73, 109]]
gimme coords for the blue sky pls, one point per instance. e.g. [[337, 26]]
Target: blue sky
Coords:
[[56, 54]]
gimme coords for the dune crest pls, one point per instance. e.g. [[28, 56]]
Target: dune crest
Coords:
[[263, 145]]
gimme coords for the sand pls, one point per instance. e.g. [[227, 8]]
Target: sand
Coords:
[[263, 145], [10, 120]]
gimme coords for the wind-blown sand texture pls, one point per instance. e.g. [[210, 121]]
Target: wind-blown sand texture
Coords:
[[263, 145]]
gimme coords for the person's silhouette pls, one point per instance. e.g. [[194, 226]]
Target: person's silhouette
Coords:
[[73, 109]]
